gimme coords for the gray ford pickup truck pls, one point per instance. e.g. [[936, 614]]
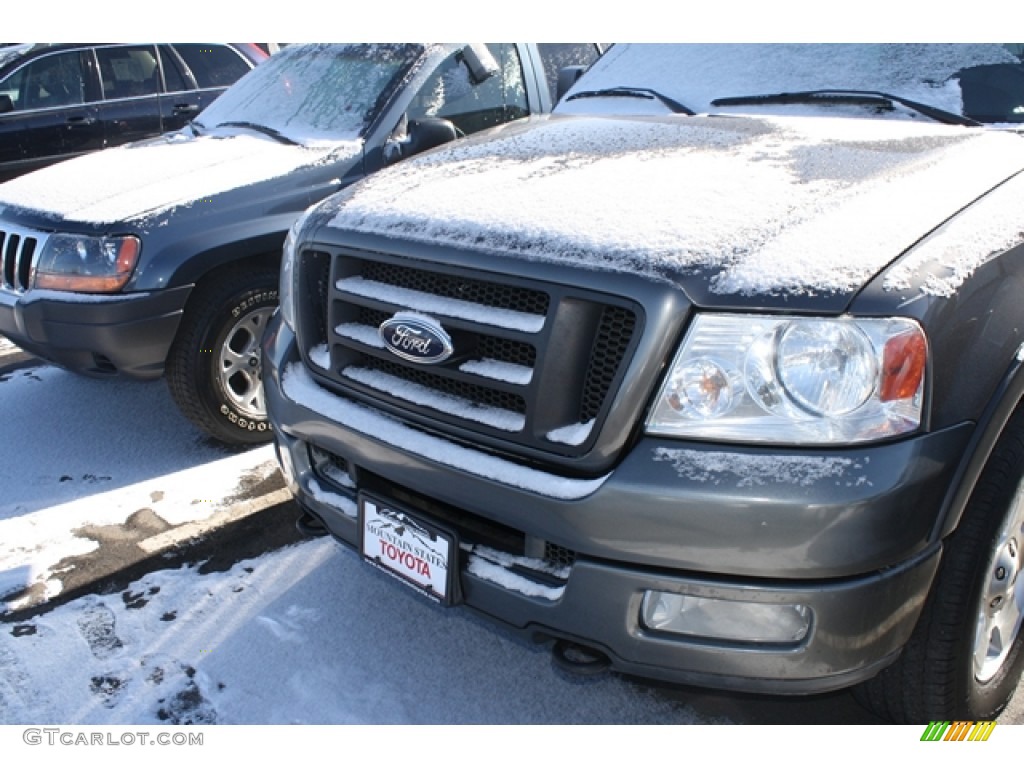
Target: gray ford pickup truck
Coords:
[[713, 376], [162, 256]]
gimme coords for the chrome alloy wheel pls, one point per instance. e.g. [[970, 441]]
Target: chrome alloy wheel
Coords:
[[1001, 605], [240, 369]]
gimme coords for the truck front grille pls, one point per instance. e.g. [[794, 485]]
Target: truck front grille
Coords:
[[534, 364], [18, 250]]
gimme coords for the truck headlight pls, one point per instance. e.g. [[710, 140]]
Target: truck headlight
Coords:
[[286, 289], [87, 264], [778, 379]]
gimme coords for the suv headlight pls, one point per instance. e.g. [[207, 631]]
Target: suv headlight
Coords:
[[87, 264], [771, 379]]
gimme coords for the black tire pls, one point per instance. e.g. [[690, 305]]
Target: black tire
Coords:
[[966, 654], [214, 369]]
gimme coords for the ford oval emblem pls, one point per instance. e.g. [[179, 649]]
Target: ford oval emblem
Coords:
[[417, 338]]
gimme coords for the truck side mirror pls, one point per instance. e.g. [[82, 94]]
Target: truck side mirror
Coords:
[[6, 105]]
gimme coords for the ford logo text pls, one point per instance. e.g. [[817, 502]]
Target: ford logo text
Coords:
[[417, 338]]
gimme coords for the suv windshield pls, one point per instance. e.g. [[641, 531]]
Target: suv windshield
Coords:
[[313, 94], [10, 53], [984, 82]]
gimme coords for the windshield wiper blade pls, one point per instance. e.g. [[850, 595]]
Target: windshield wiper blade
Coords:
[[272, 132], [848, 96], [635, 93]]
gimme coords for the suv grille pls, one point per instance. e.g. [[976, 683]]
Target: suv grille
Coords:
[[18, 249], [533, 364]]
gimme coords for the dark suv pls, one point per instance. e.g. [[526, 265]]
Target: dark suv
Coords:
[[163, 255], [59, 101], [714, 375]]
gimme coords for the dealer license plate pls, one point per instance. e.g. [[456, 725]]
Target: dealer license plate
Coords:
[[417, 553]]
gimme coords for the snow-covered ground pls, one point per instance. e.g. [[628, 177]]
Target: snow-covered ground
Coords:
[[77, 452], [6, 347], [306, 634]]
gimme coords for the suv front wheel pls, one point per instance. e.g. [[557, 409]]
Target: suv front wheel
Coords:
[[214, 370]]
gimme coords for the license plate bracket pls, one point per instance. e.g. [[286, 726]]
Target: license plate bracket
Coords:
[[420, 554]]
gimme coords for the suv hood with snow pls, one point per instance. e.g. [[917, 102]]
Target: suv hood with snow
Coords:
[[775, 208], [151, 178]]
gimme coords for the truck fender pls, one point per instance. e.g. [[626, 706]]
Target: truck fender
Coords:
[[1008, 394]]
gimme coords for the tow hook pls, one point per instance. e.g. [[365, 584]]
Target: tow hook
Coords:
[[309, 525], [579, 659]]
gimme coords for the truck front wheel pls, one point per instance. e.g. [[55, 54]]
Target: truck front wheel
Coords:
[[965, 657], [214, 370]]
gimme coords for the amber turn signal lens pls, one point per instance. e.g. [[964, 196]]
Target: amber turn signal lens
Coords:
[[903, 366]]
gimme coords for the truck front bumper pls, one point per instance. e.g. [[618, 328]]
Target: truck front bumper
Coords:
[[847, 551]]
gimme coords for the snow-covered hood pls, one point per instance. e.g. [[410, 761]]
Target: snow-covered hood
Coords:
[[740, 205], [139, 181]]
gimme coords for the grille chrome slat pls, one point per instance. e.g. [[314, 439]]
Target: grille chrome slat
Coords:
[[19, 248], [485, 314]]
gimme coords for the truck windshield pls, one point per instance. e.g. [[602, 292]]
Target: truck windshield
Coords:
[[314, 94], [980, 82]]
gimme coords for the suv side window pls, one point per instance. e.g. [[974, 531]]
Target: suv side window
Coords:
[[214, 66], [555, 56], [128, 71], [56, 80], [450, 92], [174, 77]]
